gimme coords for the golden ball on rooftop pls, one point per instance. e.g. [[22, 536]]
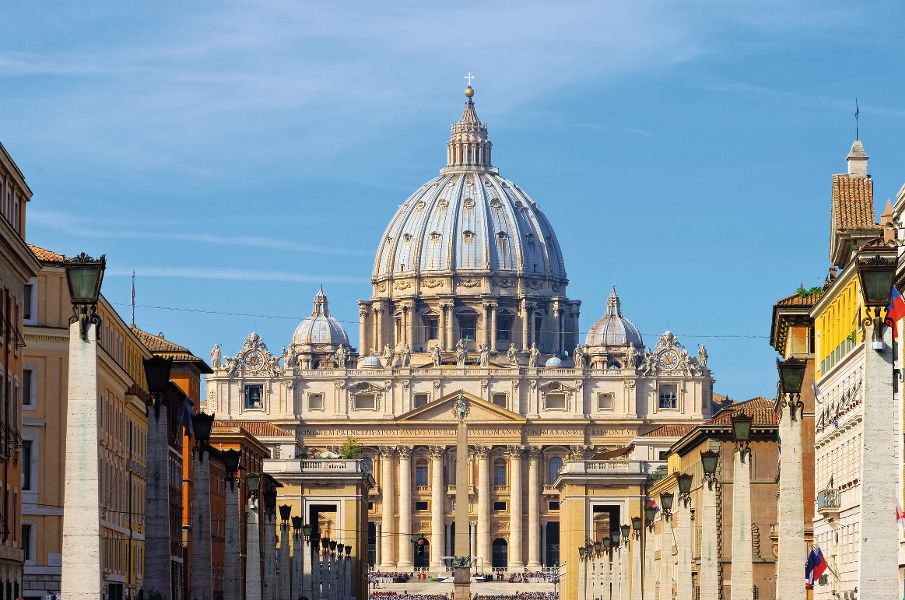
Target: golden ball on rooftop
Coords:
[[469, 91]]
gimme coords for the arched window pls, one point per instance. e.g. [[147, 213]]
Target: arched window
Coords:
[[421, 473], [553, 469], [368, 464], [499, 472]]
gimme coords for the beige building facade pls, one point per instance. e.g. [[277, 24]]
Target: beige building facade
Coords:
[[468, 297]]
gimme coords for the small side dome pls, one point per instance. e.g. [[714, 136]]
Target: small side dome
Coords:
[[320, 329], [371, 362], [554, 362], [614, 329]]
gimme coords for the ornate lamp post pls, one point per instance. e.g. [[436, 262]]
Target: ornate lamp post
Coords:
[[325, 569], [297, 552], [582, 573], [650, 576], [202, 575], [232, 551], [81, 572], [710, 553], [284, 580], [742, 584], [253, 584], [882, 430], [347, 585], [683, 570], [636, 582], [157, 574], [666, 539], [268, 549], [312, 566]]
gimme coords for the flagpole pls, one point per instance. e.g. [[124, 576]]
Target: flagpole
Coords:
[[133, 297]]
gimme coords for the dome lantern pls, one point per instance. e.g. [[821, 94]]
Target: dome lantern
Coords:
[[614, 329], [468, 147]]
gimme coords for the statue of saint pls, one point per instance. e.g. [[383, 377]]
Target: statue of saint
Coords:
[[484, 356], [532, 355], [340, 357], [387, 356], [702, 356], [461, 353], [288, 357], [435, 355], [215, 357], [631, 357], [578, 357], [406, 356], [512, 355]]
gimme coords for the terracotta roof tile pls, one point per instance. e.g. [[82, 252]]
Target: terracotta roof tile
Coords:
[[670, 430], [853, 203], [161, 346], [798, 300], [256, 428], [760, 408], [45, 255]]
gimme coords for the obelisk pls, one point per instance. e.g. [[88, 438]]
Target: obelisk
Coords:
[[462, 558]]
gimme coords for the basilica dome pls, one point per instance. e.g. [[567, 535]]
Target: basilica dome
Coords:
[[470, 220], [614, 329], [320, 329]]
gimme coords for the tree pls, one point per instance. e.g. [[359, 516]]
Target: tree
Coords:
[[350, 449]]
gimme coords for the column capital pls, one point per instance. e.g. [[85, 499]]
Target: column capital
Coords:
[[514, 451], [386, 452], [437, 452], [480, 452], [405, 452], [534, 452]]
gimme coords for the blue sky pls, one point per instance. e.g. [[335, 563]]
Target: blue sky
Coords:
[[237, 155]]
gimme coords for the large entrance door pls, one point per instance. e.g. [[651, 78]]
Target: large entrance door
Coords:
[[423, 560], [551, 554], [500, 558]]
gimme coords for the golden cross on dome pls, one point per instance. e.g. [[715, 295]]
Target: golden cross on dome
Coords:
[[468, 78]]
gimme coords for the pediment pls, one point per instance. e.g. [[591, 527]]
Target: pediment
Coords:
[[479, 410]]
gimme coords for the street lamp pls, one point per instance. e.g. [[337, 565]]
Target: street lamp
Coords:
[[684, 481], [285, 511], [650, 511], [297, 525], [84, 276], [614, 538], [709, 460], [202, 424], [741, 432], [876, 274], [306, 532], [270, 501], [252, 482], [636, 526], [666, 504], [157, 373], [626, 531]]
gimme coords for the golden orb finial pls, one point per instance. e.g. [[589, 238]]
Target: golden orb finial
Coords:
[[469, 92]]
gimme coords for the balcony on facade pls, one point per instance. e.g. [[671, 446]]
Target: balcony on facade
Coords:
[[828, 501]]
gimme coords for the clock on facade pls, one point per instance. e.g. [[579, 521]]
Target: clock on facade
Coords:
[[254, 360], [668, 360]]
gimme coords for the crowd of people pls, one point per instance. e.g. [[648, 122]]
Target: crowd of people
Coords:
[[532, 577], [518, 596], [379, 577], [515, 596]]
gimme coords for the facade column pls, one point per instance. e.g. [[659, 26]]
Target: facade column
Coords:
[[710, 550], [362, 328], [157, 573], [650, 575], [493, 329], [516, 514], [635, 582], [81, 571], [789, 583], [684, 589], [441, 327], [534, 495], [202, 575], [411, 325], [450, 326], [378, 327], [438, 509], [526, 326], [298, 552], [473, 539], [606, 575], [582, 564], [483, 550], [665, 558], [387, 516], [232, 547], [252, 553], [405, 508], [557, 339], [742, 584], [268, 550], [285, 586], [313, 580]]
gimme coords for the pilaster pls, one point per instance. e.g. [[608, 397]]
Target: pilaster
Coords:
[[405, 507], [388, 522], [438, 509]]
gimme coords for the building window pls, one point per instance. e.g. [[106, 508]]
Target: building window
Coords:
[[669, 396], [500, 399], [499, 506], [27, 380], [315, 402], [421, 505], [605, 401], [432, 326], [468, 327], [26, 541], [27, 302], [451, 471], [368, 464], [553, 505], [499, 472], [365, 402], [26, 465], [421, 473], [420, 400], [504, 328], [555, 401], [553, 469], [253, 396], [538, 328], [663, 454]]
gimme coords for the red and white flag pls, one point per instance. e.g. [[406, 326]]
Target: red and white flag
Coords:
[[900, 515]]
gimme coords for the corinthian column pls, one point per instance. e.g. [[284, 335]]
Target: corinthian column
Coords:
[[493, 329], [387, 521], [405, 508], [742, 584], [483, 552], [438, 509], [516, 559], [362, 328], [789, 583], [534, 493]]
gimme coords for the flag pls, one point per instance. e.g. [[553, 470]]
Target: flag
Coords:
[[900, 514], [653, 505], [815, 566], [820, 566], [184, 420], [895, 311]]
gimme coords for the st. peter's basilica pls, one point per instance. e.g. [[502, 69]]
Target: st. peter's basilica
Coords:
[[468, 296]]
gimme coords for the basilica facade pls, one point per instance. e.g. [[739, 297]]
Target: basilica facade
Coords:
[[468, 297]]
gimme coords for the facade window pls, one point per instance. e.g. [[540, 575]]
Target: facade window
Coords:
[[538, 328], [28, 301], [421, 505], [468, 327], [368, 464], [499, 472], [26, 465], [668, 395], [27, 381], [451, 472], [420, 400], [504, 328], [26, 541], [553, 505], [432, 326], [254, 394], [663, 454], [421, 473], [365, 402], [605, 401], [500, 399], [553, 469], [499, 506], [555, 401], [315, 402]]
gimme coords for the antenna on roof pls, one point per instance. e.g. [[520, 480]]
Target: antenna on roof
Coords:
[[857, 119], [133, 297]]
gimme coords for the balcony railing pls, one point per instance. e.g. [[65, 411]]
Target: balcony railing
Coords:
[[828, 501], [315, 465], [631, 467]]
